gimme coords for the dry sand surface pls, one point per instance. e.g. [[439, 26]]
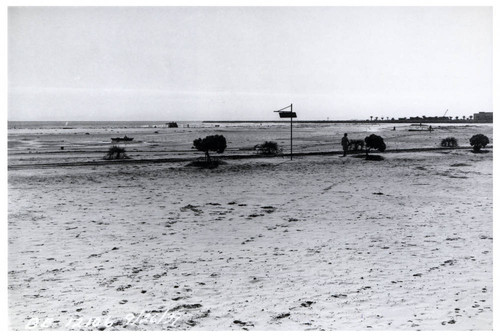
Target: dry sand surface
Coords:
[[321, 242]]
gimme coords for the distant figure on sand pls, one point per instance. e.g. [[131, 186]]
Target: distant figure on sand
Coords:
[[345, 143]]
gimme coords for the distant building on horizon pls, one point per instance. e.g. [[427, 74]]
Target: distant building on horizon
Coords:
[[485, 117]]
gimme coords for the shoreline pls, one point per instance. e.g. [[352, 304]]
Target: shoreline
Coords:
[[406, 121]]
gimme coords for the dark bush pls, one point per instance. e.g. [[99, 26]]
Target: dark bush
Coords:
[[212, 143], [479, 141], [172, 125], [449, 142], [268, 148], [116, 153], [374, 142]]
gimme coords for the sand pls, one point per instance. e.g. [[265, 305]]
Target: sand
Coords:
[[317, 243]]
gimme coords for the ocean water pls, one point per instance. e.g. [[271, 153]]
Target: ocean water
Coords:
[[90, 124], [142, 124]]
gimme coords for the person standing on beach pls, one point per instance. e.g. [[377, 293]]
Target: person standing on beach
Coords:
[[345, 143]]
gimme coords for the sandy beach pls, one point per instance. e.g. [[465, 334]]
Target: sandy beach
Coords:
[[317, 243], [152, 187]]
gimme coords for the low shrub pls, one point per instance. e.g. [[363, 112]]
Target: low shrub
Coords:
[[268, 148], [374, 142], [479, 141], [116, 153], [212, 143], [449, 142]]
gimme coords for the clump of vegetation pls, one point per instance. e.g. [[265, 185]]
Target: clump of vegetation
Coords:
[[212, 143], [268, 148], [356, 145], [479, 141], [449, 142], [374, 142], [172, 125], [116, 153]]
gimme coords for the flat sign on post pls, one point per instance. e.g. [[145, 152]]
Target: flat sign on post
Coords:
[[289, 114]]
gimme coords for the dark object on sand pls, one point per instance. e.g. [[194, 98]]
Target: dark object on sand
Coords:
[[345, 144], [374, 142], [212, 143], [116, 153], [374, 158], [125, 138], [172, 125], [479, 141], [268, 148], [419, 128], [449, 142]]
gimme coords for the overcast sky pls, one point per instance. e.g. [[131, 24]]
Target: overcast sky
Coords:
[[241, 63]]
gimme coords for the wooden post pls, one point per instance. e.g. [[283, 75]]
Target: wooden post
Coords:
[[289, 114], [291, 134]]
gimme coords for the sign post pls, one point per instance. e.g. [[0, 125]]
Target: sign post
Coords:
[[289, 114]]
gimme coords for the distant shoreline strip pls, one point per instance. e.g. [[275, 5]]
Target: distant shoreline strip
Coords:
[[406, 121]]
